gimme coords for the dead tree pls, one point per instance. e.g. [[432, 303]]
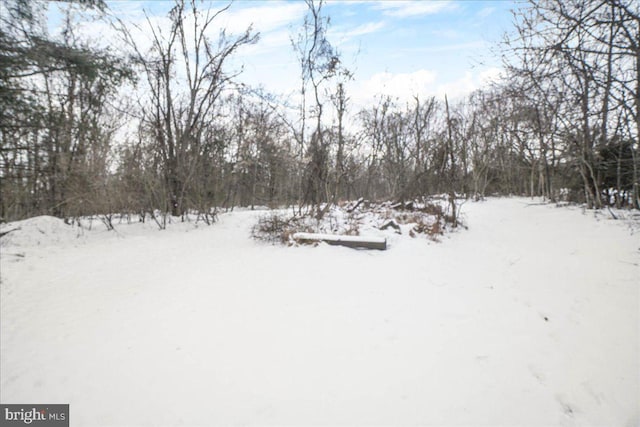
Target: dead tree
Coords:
[[178, 118]]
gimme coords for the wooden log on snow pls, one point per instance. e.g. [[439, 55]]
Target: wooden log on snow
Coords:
[[379, 243]]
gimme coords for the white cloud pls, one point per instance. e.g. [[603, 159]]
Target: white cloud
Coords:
[[265, 18], [272, 20], [483, 13], [468, 83], [491, 75], [404, 9], [401, 85], [471, 46], [270, 42], [422, 82], [458, 88], [360, 30]]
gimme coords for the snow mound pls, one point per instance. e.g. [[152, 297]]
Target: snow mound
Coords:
[[37, 231]]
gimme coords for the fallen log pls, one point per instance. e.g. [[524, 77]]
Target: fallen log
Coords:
[[400, 206], [379, 243], [353, 208], [392, 224]]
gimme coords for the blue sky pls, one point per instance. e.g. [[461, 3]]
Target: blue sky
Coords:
[[399, 48]]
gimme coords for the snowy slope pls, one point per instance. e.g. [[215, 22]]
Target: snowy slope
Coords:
[[530, 317]]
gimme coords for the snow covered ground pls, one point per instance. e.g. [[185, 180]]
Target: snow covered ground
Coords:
[[529, 317]]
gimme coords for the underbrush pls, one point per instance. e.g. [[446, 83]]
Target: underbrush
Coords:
[[428, 219]]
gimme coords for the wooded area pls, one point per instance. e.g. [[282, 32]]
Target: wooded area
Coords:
[[562, 123]]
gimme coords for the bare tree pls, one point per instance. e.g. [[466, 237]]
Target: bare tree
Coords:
[[580, 61], [185, 75], [319, 62]]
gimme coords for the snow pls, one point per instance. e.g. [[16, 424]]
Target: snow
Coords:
[[529, 317], [39, 231]]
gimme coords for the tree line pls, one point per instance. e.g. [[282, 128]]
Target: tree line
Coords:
[[563, 122]]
